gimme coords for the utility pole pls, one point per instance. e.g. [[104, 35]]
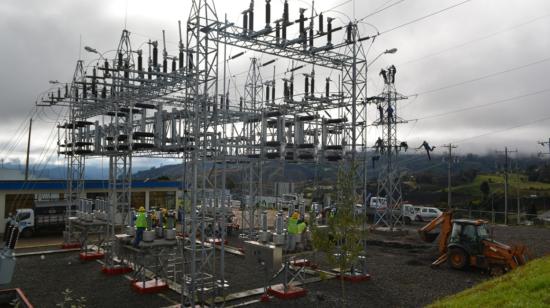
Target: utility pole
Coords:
[[450, 147], [506, 151], [28, 151]]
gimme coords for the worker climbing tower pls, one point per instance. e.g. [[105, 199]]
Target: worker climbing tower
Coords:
[[388, 147]]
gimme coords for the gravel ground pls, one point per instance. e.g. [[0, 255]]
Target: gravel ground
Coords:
[[399, 268], [44, 280]]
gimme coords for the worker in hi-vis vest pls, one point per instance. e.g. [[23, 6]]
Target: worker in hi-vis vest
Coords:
[[141, 224], [295, 228]]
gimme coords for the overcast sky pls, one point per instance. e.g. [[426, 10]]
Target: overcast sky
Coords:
[[483, 52]]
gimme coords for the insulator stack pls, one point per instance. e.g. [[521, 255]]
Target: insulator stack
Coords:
[[94, 87], [329, 31], [106, 71], [284, 30], [66, 90], [286, 92], [84, 89], [140, 62], [126, 70], [306, 86], [291, 92], [321, 22], [285, 13], [302, 19], [349, 30], [273, 93], [245, 22], [251, 17], [7, 233], [76, 94], [311, 36], [164, 65], [155, 54], [241, 105], [174, 64], [190, 60], [312, 91], [278, 32], [12, 239], [104, 92], [180, 60], [267, 90], [149, 70], [120, 60], [327, 88], [267, 13], [58, 92]]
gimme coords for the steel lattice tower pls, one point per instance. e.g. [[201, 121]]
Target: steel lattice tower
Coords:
[[389, 179]]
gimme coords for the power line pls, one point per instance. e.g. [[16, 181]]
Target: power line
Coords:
[[424, 17], [503, 130], [500, 101], [493, 34], [381, 10], [483, 77]]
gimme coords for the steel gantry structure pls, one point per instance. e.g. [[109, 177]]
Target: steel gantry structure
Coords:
[[173, 106]]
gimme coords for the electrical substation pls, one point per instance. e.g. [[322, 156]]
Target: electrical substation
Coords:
[[152, 102]]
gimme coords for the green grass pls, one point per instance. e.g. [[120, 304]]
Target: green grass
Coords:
[[496, 183], [527, 286]]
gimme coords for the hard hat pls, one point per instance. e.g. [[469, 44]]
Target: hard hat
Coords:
[[141, 209], [295, 215]]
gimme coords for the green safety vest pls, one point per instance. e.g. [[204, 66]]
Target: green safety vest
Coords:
[[301, 227], [141, 220], [292, 226]]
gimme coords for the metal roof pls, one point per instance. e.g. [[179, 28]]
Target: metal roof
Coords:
[[89, 184]]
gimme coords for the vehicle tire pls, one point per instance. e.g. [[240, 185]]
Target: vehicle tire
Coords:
[[407, 220], [458, 258], [27, 233]]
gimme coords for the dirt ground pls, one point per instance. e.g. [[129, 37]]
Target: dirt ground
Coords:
[[399, 268]]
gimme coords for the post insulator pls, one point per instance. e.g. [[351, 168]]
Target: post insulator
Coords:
[[155, 55], [267, 12], [120, 60]]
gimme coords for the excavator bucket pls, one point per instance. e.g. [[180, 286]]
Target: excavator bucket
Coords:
[[428, 237], [520, 254]]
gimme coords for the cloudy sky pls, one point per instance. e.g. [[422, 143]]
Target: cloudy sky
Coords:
[[476, 74]]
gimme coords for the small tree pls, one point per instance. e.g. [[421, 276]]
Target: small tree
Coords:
[[485, 189], [342, 239]]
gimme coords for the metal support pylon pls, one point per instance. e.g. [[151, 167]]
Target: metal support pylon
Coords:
[[388, 146]]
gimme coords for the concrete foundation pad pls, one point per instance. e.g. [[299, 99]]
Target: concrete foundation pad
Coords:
[[291, 292], [92, 255], [149, 286]]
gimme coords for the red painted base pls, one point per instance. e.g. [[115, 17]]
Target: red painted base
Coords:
[[241, 249], [150, 286], [355, 278], [301, 262], [292, 292], [115, 270], [70, 245], [264, 298], [92, 255], [217, 241]]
